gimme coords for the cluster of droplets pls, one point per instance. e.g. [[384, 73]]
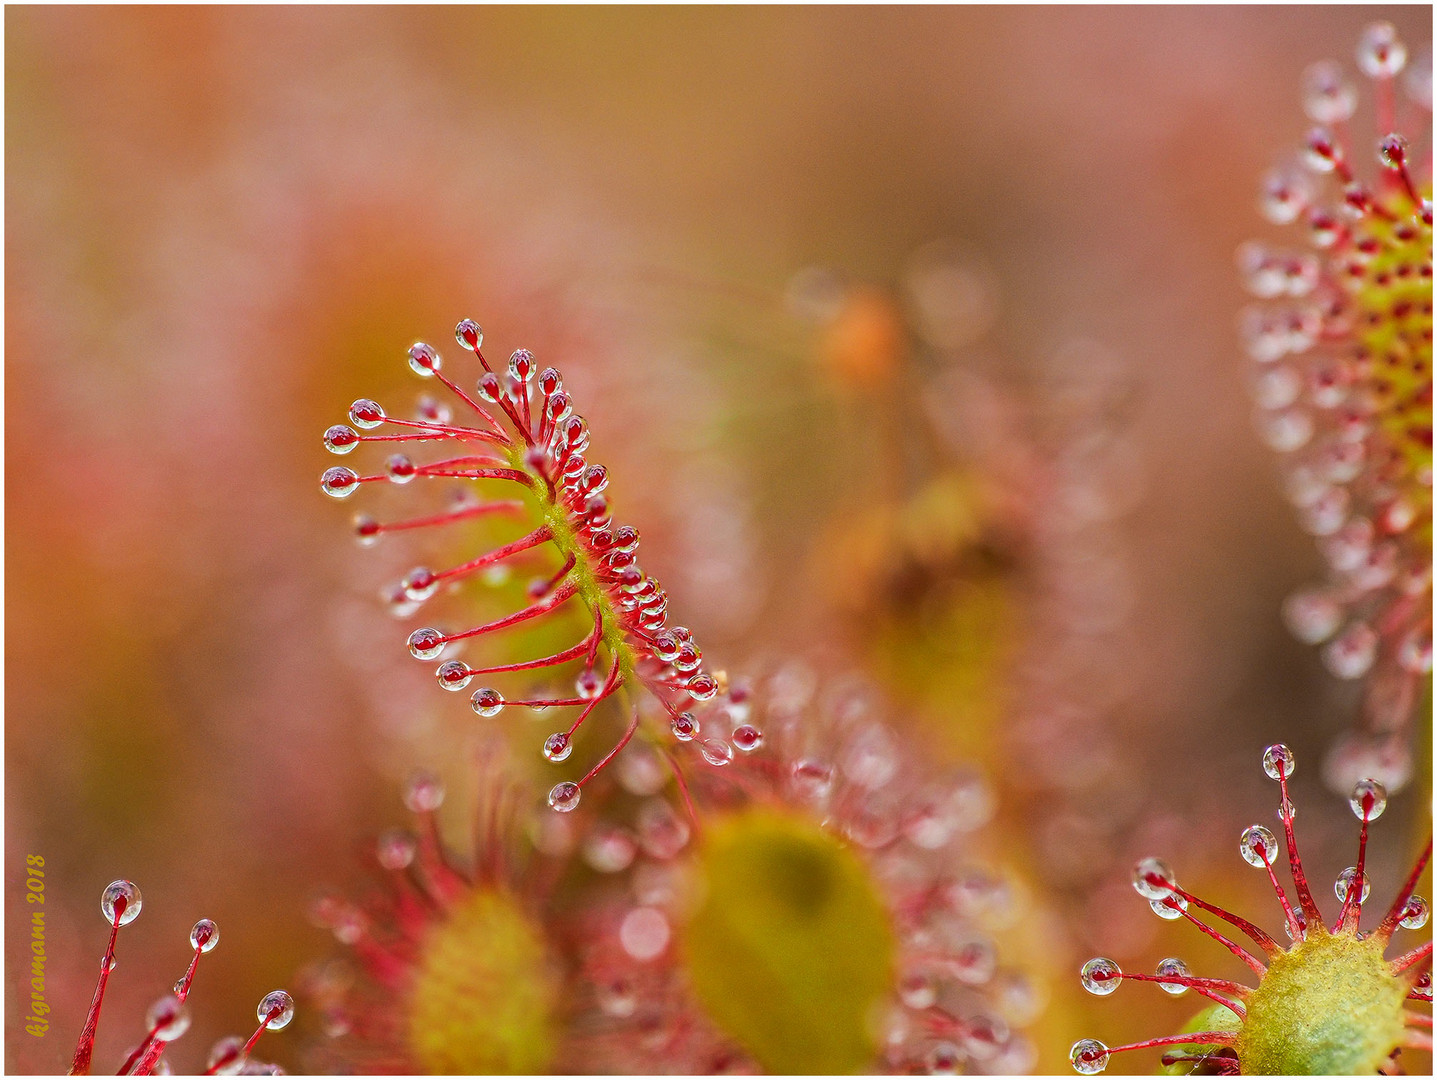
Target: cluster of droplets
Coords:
[[540, 446], [169, 1017], [1342, 345], [1153, 879], [954, 1006]]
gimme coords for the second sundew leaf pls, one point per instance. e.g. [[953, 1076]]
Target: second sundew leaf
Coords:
[[790, 951]]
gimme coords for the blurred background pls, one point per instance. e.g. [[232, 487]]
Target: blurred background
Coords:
[[906, 334]]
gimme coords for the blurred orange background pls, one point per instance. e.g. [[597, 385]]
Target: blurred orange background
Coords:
[[224, 224]]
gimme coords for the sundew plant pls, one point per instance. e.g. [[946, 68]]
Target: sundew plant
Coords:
[[871, 533]]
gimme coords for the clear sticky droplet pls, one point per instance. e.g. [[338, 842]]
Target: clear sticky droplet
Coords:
[[469, 334], [1170, 907], [423, 359], [1101, 976], [420, 584], [918, 989], [1415, 914], [617, 998], [521, 365], [1089, 1056], [1258, 845], [454, 675], [685, 727], [1328, 96], [340, 439], [366, 530], [943, 1059], [487, 702], [588, 685], [1148, 875], [644, 933], [426, 643], [716, 751], [225, 1058], [1345, 880], [1312, 615], [276, 1010], [558, 746], [366, 414], [702, 687], [747, 738], [609, 850], [395, 850], [401, 468], [488, 387], [1170, 967], [339, 482], [1287, 811], [1278, 761], [204, 936], [424, 793], [1352, 653], [564, 796], [124, 897], [167, 1019], [1380, 52], [1368, 800]]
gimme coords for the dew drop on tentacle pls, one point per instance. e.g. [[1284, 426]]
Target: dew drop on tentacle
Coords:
[[432, 411], [111, 898], [558, 746], [204, 935], [276, 1010], [1345, 880], [1380, 52], [564, 796], [488, 387], [1415, 914], [453, 675], [1169, 968], [401, 468], [521, 365], [366, 530], [716, 751], [426, 643], [168, 1019], [1312, 615], [366, 414], [1258, 845], [339, 482], [1089, 1056], [588, 685], [747, 738], [702, 687], [225, 1057], [1287, 811], [340, 439], [1101, 976], [1146, 877], [1368, 799], [424, 793], [1352, 653], [1278, 761], [685, 727], [1328, 96], [420, 584], [469, 334], [487, 702], [1171, 907], [943, 1059], [395, 849], [424, 360]]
